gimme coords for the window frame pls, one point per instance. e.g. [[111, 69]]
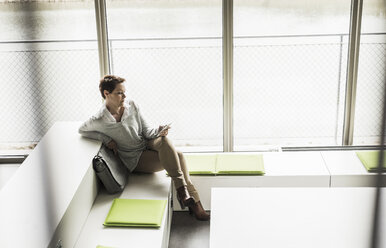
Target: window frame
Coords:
[[227, 36]]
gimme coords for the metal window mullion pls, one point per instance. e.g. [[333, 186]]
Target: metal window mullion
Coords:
[[352, 71], [101, 26], [111, 56], [227, 7]]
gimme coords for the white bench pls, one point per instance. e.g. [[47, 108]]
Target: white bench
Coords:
[[282, 169], [49, 202], [140, 186], [347, 170], [53, 190], [295, 169]]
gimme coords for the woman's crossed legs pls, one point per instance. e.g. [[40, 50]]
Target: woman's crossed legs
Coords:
[[160, 155]]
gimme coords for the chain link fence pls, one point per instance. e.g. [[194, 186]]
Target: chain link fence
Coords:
[[287, 91], [370, 90], [42, 85], [178, 81]]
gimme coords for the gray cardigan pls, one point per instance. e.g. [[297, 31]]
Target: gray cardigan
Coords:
[[130, 134]]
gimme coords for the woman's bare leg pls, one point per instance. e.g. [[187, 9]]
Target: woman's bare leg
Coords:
[[191, 189]]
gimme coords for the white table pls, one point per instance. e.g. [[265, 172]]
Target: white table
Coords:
[[293, 217], [348, 171]]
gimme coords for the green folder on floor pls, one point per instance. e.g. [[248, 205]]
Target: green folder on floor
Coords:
[[203, 164], [240, 164], [136, 213], [370, 160], [225, 164]]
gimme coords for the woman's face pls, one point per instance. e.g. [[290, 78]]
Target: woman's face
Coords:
[[117, 96]]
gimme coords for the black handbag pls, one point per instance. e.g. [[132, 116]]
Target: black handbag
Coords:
[[110, 170]]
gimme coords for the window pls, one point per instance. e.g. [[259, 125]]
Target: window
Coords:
[[48, 67], [289, 72], [290, 62], [371, 74], [170, 54]]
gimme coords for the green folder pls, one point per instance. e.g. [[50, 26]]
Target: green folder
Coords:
[[136, 213], [240, 164], [370, 160], [203, 164]]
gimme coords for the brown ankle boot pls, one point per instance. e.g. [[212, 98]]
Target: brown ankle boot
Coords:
[[198, 211], [184, 197]]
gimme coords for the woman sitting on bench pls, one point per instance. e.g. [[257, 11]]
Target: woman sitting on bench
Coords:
[[121, 127]]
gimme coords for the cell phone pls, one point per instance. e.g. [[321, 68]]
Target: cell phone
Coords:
[[165, 128]]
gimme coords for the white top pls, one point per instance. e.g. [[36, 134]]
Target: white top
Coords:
[[347, 170], [295, 164], [130, 134], [344, 163], [294, 217]]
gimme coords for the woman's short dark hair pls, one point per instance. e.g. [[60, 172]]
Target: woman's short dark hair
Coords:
[[109, 82]]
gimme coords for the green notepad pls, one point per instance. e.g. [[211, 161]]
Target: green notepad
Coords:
[[240, 164], [136, 213], [370, 160], [225, 164], [203, 164]]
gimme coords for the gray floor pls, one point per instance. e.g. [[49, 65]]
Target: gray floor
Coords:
[[187, 232]]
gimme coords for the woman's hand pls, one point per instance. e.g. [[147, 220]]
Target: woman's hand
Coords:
[[164, 132], [112, 145]]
